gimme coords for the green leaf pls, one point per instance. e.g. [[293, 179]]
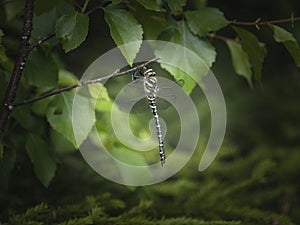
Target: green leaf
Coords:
[[287, 39], [66, 78], [14, 9], [72, 30], [191, 61], [254, 49], [36, 74], [61, 144], [125, 31], [60, 117], [39, 154], [153, 23], [149, 4], [42, 6], [176, 5], [98, 91], [26, 119], [240, 60], [41, 107], [5, 62], [44, 23], [205, 20], [104, 106]]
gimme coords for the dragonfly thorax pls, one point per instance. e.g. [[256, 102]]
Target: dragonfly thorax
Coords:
[[151, 86]]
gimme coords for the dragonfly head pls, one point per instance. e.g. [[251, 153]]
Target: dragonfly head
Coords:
[[148, 72]]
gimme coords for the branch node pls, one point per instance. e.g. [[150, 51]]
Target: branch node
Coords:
[[9, 106]]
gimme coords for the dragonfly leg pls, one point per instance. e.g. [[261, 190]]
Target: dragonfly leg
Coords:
[[136, 75]]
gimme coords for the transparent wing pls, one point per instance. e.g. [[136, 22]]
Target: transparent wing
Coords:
[[132, 97]]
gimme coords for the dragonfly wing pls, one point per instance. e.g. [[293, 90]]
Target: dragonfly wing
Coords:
[[132, 94]]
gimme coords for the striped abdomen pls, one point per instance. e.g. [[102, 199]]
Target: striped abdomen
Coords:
[[152, 104]]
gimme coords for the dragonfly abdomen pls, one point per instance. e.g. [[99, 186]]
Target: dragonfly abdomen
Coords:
[[152, 104]]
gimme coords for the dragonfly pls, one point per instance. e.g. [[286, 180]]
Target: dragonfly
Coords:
[[151, 89]]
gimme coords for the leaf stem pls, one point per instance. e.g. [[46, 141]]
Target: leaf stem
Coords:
[[84, 83], [220, 37], [258, 22], [86, 2]]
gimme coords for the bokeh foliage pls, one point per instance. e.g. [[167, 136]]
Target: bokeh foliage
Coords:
[[254, 179]]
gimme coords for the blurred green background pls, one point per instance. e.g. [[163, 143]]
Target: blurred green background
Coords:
[[255, 177]]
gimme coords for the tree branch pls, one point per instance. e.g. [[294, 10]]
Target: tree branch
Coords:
[[84, 83], [258, 22], [24, 50]]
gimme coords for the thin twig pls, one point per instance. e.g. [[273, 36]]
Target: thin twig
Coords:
[[259, 22], [219, 37], [86, 2], [15, 78], [103, 5], [84, 83], [41, 40]]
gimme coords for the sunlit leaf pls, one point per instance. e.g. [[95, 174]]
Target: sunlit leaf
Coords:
[[254, 49], [43, 162], [125, 31], [103, 105], [149, 4], [98, 91], [60, 117], [287, 39], [190, 60], [205, 20], [66, 78], [72, 30], [240, 60]]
